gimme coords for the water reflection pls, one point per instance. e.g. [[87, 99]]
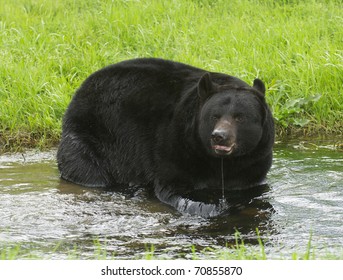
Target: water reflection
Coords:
[[129, 219]]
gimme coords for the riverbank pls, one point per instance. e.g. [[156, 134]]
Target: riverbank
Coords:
[[49, 48]]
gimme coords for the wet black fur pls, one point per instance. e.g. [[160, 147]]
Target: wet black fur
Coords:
[[137, 122]]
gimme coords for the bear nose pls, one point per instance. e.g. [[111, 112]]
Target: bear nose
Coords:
[[218, 136]]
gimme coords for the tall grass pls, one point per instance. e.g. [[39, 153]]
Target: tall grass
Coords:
[[49, 47]]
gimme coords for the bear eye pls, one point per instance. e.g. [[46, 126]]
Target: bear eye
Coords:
[[215, 117], [239, 118]]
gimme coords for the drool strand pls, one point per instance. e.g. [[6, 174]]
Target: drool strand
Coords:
[[222, 173], [223, 205]]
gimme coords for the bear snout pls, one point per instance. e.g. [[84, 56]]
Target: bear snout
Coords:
[[219, 136], [222, 141]]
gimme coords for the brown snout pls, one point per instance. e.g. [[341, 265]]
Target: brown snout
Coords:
[[223, 138]]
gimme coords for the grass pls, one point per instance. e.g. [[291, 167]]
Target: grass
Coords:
[[237, 251], [49, 47]]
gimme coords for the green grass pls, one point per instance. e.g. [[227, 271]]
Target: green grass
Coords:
[[237, 251], [49, 47]]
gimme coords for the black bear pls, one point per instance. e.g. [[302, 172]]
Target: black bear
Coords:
[[177, 128]]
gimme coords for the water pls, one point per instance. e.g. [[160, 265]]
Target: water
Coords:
[[50, 218]]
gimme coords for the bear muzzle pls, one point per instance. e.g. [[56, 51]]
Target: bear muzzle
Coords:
[[222, 142]]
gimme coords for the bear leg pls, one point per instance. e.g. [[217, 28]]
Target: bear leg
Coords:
[[79, 164], [167, 195]]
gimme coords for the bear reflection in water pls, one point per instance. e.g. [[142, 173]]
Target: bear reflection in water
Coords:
[[177, 129]]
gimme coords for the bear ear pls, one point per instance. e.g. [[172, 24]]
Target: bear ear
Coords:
[[205, 87], [259, 85]]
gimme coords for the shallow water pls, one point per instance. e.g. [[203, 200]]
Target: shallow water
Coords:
[[51, 218]]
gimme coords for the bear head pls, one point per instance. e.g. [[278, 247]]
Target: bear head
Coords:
[[232, 116]]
